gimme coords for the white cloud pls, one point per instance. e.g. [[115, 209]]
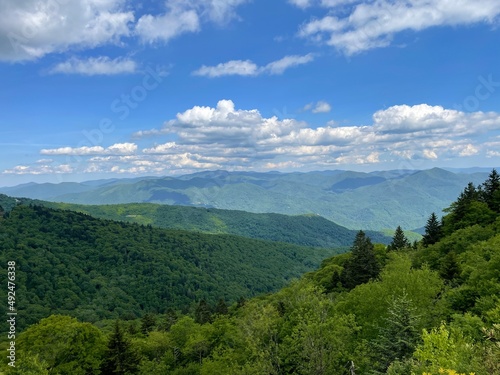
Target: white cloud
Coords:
[[30, 29], [301, 3], [374, 24], [39, 169], [279, 66], [246, 138], [233, 67], [184, 16], [225, 137], [322, 107], [167, 26], [119, 148], [249, 68], [96, 66]]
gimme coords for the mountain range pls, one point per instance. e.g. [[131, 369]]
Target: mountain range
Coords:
[[375, 200]]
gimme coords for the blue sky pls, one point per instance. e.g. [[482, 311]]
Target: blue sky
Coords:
[[115, 88]]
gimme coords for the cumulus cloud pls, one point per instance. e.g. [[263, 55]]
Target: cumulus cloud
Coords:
[[118, 148], [40, 169], [374, 24], [226, 137], [102, 65], [167, 26], [249, 68], [321, 107], [30, 29], [183, 16], [245, 137]]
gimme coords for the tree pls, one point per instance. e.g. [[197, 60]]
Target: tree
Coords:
[[398, 337], [432, 231], [65, 345], [491, 191], [168, 320], [120, 358], [148, 323], [221, 308], [399, 241], [363, 265], [203, 313]]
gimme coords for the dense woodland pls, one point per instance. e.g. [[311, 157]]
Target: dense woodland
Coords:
[[426, 308], [304, 230], [93, 269]]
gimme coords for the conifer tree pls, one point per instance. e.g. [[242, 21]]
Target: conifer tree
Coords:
[[148, 322], [491, 191], [363, 265], [203, 313], [221, 308], [120, 358], [432, 230], [168, 320], [399, 335], [241, 302], [399, 241]]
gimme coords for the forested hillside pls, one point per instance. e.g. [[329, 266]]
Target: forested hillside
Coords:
[[375, 200], [305, 230], [95, 269], [425, 310]]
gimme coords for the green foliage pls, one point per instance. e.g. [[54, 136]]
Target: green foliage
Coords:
[[399, 240], [363, 265], [120, 357], [398, 336], [203, 313], [73, 264], [448, 349], [62, 345], [433, 231], [435, 310], [305, 230]]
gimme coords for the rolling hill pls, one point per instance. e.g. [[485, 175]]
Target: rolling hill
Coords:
[[376, 200], [95, 269]]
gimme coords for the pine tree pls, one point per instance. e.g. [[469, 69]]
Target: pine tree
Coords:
[[168, 320], [221, 308], [363, 265], [120, 358], [203, 313], [148, 322], [399, 241], [398, 337], [241, 302], [432, 231], [491, 191]]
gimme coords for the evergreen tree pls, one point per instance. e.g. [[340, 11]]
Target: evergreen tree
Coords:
[[335, 282], [491, 191], [432, 231], [241, 302], [399, 241], [221, 308], [168, 320], [363, 265], [120, 358], [148, 322], [203, 313], [398, 337]]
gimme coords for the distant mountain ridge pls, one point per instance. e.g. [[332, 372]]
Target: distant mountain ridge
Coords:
[[304, 230], [375, 200]]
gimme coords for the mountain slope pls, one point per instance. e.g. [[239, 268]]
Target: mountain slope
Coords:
[[94, 269], [355, 200], [306, 230]]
